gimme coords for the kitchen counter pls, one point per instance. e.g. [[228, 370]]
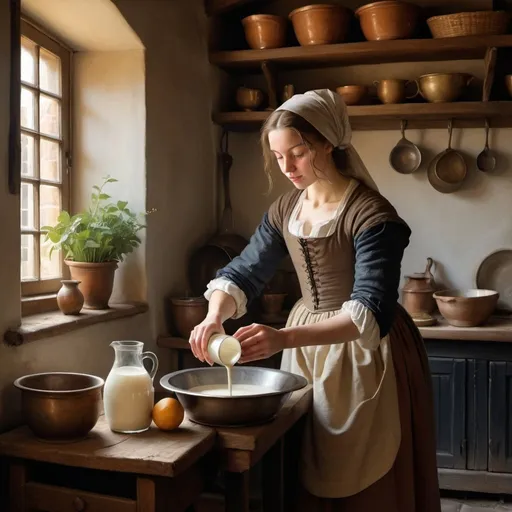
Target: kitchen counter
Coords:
[[498, 328]]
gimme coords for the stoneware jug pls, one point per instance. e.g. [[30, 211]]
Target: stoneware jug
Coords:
[[128, 395], [417, 292]]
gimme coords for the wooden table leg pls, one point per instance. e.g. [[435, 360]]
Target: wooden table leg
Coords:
[[272, 479], [146, 495], [17, 481], [237, 491], [292, 449]]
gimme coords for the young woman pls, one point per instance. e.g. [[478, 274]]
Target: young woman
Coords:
[[370, 440]]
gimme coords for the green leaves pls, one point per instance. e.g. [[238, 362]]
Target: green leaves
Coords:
[[104, 232]]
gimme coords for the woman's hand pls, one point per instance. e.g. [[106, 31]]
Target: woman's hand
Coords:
[[260, 341], [201, 334]]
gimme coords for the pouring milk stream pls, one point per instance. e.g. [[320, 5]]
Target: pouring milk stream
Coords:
[[226, 351]]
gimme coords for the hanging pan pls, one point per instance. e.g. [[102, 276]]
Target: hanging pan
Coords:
[[225, 244], [447, 170]]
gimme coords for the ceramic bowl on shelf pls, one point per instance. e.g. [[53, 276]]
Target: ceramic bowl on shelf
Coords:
[[265, 31], [321, 24], [352, 94], [466, 308], [388, 19]]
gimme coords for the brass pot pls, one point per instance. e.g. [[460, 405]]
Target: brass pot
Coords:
[[60, 406], [443, 87], [394, 90]]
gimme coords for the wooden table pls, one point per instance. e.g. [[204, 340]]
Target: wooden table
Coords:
[[273, 443], [107, 472]]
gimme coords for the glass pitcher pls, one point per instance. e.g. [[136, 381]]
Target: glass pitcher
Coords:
[[128, 395]]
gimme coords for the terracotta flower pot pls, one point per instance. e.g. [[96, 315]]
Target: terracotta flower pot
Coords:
[[97, 281]]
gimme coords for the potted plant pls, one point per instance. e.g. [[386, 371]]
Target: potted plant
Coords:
[[94, 242]]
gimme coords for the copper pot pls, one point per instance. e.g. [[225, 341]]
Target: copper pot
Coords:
[[352, 94], [443, 87], [466, 308], [320, 24], [387, 20], [417, 298], [265, 31], [187, 312], [60, 406]]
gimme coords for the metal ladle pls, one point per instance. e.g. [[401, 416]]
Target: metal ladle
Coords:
[[405, 157], [486, 160]]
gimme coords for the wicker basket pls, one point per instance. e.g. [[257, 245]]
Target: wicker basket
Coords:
[[469, 24]]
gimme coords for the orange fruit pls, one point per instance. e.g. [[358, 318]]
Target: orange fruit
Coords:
[[168, 414]]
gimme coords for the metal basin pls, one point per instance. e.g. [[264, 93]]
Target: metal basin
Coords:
[[60, 406], [232, 411]]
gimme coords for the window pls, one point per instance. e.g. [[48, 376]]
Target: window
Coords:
[[45, 154]]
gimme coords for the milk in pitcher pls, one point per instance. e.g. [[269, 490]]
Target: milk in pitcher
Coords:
[[128, 394]]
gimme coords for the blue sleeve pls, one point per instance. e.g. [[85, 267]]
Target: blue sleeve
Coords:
[[378, 254], [258, 262]]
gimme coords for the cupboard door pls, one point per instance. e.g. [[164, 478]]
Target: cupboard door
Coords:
[[449, 386], [477, 414], [500, 411]]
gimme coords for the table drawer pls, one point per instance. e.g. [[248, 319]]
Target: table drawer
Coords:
[[49, 498]]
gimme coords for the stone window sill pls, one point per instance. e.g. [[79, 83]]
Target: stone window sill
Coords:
[[54, 323]]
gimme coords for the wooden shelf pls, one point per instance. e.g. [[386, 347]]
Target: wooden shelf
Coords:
[[368, 52], [387, 117]]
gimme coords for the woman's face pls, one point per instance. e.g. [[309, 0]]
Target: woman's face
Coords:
[[295, 158]]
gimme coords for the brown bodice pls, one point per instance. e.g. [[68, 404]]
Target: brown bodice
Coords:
[[325, 266]]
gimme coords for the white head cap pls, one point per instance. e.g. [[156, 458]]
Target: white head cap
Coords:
[[326, 111]]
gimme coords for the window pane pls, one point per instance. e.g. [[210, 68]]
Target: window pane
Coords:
[[28, 109], [28, 158], [28, 61], [27, 201], [49, 112], [49, 200], [28, 269], [50, 268], [49, 72], [50, 160]]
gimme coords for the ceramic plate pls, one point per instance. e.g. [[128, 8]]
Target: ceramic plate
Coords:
[[495, 273]]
